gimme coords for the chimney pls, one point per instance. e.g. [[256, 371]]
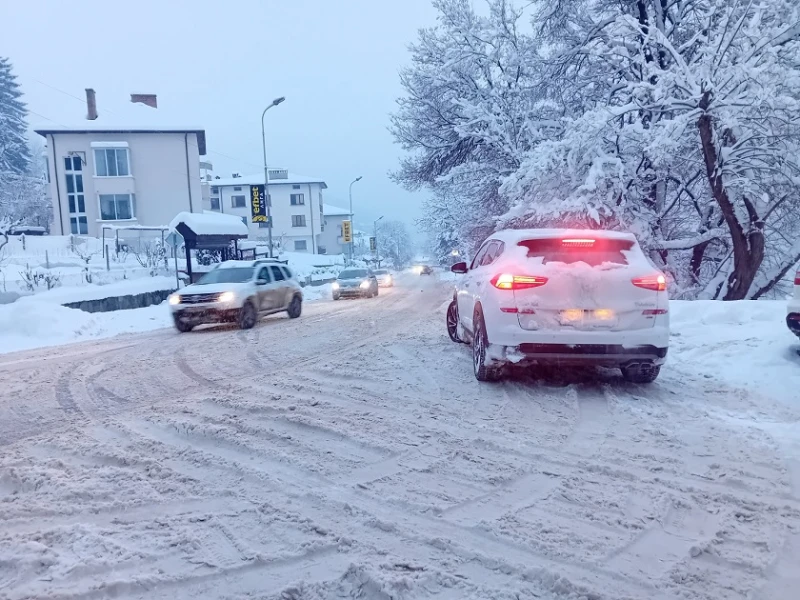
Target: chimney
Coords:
[[91, 105], [146, 99]]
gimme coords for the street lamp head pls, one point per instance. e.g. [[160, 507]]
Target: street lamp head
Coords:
[[278, 100], [359, 178]]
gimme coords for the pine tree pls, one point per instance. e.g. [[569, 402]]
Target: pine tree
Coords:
[[15, 155]]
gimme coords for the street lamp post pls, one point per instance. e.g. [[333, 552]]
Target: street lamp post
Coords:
[[352, 229], [266, 171], [375, 233]]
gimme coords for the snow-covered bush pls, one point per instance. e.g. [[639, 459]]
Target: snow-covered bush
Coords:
[[35, 278]]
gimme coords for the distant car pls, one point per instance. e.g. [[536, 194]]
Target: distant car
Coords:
[[544, 296], [355, 283], [793, 311], [237, 291], [424, 269], [384, 278]]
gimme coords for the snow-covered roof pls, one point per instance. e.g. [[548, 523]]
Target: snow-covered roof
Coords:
[[258, 179], [516, 235], [334, 211], [209, 223], [127, 117]]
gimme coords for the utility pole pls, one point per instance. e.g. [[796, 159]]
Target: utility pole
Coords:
[[352, 229], [266, 172]]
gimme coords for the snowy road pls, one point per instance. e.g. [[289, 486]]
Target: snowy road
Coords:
[[351, 454]]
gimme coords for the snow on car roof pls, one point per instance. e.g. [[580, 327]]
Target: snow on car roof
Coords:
[[518, 235], [210, 223]]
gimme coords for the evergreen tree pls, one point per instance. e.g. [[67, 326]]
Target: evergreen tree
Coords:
[[15, 155]]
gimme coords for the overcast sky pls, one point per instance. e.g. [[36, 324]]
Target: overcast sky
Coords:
[[218, 63]]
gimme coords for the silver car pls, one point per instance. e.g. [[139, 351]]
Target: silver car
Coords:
[[239, 291], [355, 283], [384, 278]]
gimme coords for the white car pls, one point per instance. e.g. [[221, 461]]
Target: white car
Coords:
[[384, 278], [542, 296], [793, 311], [239, 291]]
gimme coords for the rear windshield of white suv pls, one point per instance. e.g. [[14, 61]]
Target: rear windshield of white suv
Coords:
[[592, 252], [235, 275]]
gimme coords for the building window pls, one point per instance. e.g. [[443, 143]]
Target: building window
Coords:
[[111, 162], [262, 225], [295, 187], [238, 188], [238, 201], [76, 201], [298, 220], [79, 225], [244, 220], [297, 199], [215, 204], [300, 245], [214, 189], [116, 207]]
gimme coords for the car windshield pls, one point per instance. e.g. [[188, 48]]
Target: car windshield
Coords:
[[593, 252], [353, 274], [381, 272], [234, 275]]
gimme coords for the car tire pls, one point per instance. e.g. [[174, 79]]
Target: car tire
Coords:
[[247, 316], [182, 326], [480, 346], [640, 373], [336, 297], [452, 322], [295, 307]]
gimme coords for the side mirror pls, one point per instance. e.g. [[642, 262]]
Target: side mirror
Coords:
[[261, 282], [459, 268]]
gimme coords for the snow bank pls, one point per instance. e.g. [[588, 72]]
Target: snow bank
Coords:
[[33, 324], [742, 343], [142, 285]]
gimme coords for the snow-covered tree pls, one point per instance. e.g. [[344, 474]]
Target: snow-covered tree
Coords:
[[394, 243], [677, 120], [14, 152]]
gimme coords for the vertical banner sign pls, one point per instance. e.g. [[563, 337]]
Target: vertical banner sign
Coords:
[[373, 244], [258, 206], [347, 232]]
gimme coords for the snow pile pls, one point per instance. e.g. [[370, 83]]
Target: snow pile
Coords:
[[210, 223], [128, 287], [742, 343], [32, 324]]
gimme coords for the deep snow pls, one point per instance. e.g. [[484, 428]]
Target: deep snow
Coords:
[[351, 454]]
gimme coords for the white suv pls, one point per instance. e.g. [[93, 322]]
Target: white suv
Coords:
[[793, 311], [564, 297], [237, 291]]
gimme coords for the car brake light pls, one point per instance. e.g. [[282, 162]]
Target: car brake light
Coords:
[[654, 311], [578, 242], [506, 281], [518, 311], [797, 278], [657, 283]]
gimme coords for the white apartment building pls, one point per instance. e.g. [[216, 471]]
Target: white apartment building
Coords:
[[295, 205], [129, 166]]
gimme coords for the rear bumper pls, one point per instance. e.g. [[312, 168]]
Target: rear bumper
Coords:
[[596, 354], [514, 344]]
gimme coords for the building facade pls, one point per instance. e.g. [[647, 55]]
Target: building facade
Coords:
[[295, 206], [331, 237], [102, 173]]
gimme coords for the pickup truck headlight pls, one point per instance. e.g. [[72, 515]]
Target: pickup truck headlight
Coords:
[[335, 285], [174, 300], [226, 297]]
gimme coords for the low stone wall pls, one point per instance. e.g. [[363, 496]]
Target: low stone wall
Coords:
[[121, 302]]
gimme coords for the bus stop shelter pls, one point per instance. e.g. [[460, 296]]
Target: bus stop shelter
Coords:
[[209, 231]]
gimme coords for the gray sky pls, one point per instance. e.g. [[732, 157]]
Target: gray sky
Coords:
[[336, 62]]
